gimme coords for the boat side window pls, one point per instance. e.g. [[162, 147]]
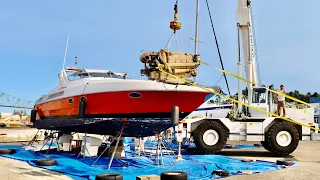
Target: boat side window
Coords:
[[84, 75]]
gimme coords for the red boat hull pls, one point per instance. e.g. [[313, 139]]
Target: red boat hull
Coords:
[[147, 114], [151, 104]]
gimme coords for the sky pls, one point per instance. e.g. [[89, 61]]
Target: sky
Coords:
[[112, 34]]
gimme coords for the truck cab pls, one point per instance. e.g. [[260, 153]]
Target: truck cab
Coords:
[[263, 99]]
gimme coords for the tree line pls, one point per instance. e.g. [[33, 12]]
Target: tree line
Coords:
[[303, 97], [296, 94]]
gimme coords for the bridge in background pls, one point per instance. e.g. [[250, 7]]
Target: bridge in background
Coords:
[[7, 100]]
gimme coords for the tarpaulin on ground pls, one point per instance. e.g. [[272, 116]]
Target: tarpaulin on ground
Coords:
[[197, 166], [185, 146]]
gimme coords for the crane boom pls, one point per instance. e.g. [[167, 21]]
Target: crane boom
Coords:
[[244, 21]]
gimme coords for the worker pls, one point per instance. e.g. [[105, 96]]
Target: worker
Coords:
[[281, 100]]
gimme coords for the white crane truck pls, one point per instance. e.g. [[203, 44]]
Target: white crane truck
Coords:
[[281, 137]]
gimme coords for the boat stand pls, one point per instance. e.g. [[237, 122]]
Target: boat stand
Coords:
[[125, 122], [53, 135], [159, 159], [34, 139]]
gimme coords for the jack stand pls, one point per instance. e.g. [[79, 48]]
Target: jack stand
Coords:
[[124, 125], [179, 156], [140, 149], [159, 157]]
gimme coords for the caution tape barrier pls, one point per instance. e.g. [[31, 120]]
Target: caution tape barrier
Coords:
[[239, 102], [248, 81]]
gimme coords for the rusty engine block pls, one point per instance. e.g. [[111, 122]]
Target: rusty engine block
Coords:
[[179, 64]]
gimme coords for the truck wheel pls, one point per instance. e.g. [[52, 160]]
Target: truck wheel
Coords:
[[210, 137], [265, 145], [283, 138]]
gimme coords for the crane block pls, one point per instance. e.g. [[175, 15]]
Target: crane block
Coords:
[[175, 25]]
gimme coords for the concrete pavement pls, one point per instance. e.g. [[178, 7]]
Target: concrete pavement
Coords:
[[18, 134]]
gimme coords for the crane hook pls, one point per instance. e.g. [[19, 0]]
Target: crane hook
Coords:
[[175, 24]]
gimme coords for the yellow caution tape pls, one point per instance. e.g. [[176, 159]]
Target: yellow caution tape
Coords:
[[239, 102], [246, 80]]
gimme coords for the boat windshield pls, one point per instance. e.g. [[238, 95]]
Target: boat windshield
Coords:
[[106, 75], [77, 75]]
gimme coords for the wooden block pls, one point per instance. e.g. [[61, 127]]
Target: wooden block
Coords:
[[148, 177], [118, 152]]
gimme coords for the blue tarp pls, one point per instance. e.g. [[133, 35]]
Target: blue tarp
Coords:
[[184, 146], [197, 166]]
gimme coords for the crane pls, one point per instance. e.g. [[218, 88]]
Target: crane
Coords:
[[244, 24], [211, 128]]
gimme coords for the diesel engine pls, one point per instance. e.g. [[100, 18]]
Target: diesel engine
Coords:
[[179, 64]]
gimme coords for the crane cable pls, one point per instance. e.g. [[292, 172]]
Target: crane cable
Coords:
[[218, 48], [174, 25]]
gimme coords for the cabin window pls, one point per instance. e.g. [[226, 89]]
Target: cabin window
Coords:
[[259, 95]]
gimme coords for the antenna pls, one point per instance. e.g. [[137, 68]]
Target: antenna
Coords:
[[196, 32], [191, 39], [65, 53], [196, 38]]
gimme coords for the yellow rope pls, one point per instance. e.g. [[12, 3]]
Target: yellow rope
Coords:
[[239, 102]]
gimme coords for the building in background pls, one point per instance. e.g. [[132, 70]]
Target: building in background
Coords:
[[316, 102]]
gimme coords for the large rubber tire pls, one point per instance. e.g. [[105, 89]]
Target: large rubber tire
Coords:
[[289, 144], [46, 162], [109, 176], [7, 151], [174, 175], [220, 172], [265, 145], [285, 162], [214, 128]]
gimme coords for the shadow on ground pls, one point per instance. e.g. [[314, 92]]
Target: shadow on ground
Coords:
[[252, 153]]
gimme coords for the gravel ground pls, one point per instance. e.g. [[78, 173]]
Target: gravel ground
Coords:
[[307, 154]]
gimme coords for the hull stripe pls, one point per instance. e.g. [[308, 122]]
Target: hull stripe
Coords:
[[213, 108]]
